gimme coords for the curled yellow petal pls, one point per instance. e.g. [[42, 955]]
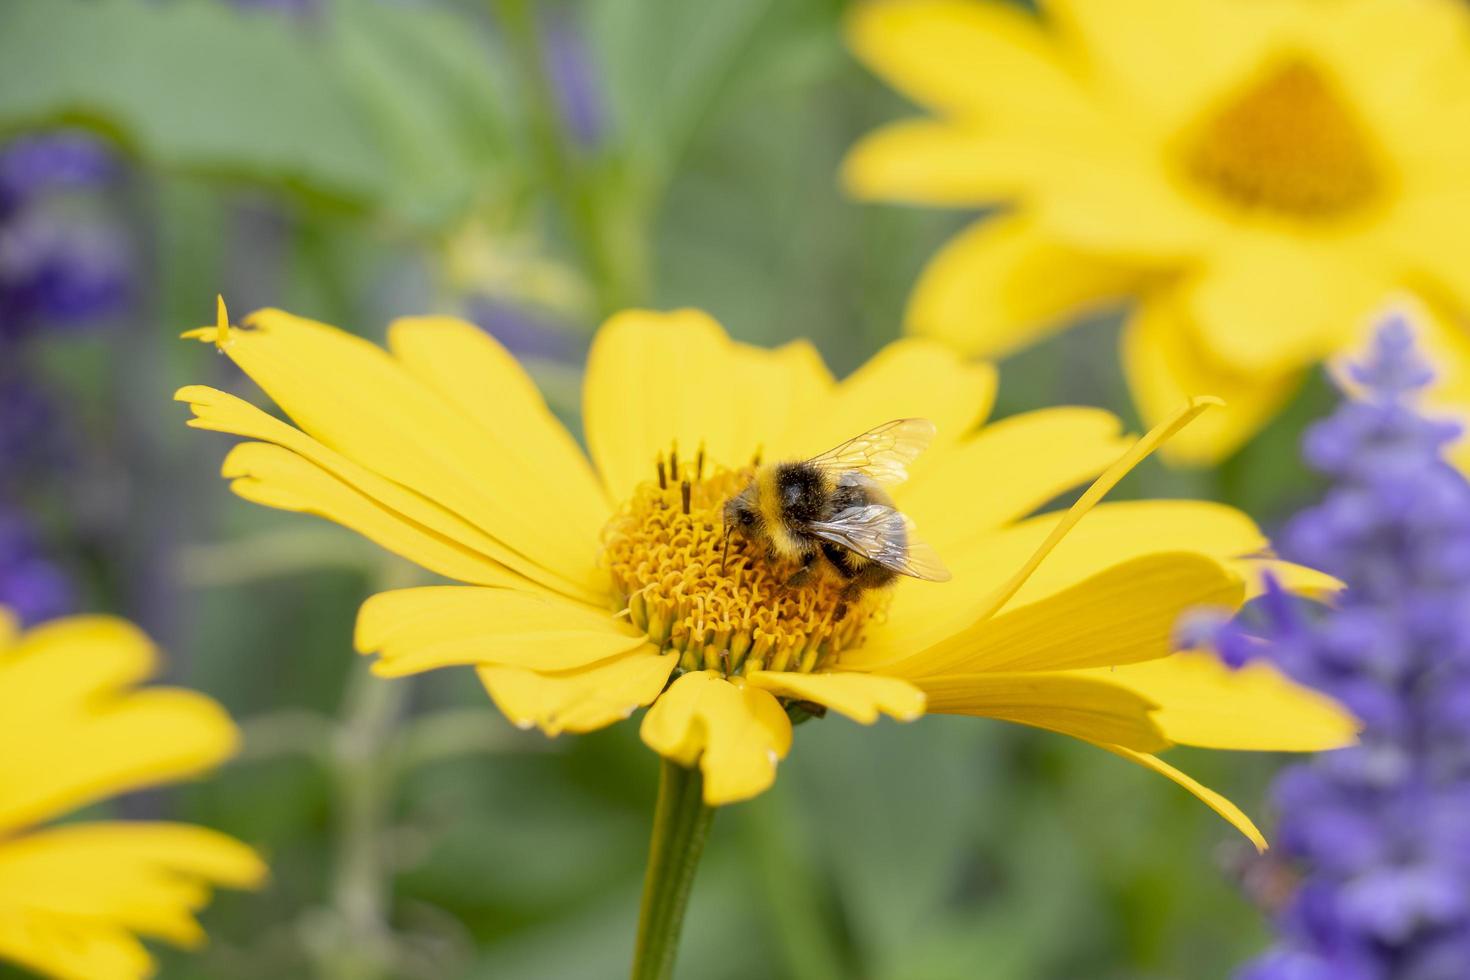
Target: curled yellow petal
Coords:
[[581, 700], [861, 697], [1232, 813], [1205, 703], [736, 732]]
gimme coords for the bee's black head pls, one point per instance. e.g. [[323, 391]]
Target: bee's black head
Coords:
[[742, 515]]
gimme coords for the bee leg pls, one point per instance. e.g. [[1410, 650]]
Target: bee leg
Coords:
[[850, 593], [803, 575]]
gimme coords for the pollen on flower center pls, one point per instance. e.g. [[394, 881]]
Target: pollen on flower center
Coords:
[[1286, 144], [734, 613]]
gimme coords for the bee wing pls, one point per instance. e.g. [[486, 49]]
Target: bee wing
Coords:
[[883, 535], [883, 454]]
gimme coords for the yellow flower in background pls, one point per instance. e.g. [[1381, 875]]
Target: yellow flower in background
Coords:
[[74, 897], [1257, 177], [595, 586]]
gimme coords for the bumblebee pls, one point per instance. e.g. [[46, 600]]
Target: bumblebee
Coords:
[[833, 508]]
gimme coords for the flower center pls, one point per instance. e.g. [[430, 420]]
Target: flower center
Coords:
[[1286, 144], [732, 612]]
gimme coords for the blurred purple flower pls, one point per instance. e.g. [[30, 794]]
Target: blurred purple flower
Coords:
[[31, 586], [56, 270], [525, 333], [34, 164], [574, 81], [30, 429], [1381, 830]]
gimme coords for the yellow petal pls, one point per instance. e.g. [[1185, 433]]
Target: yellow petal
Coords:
[[1202, 702], [1165, 366], [1140, 451], [775, 387], [355, 398], [655, 379], [579, 700], [735, 731], [1083, 707], [1363, 36], [1429, 231], [9, 627], [1270, 305], [478, 376], [414, 630], [932, 162], [96, 880], [861, 697], [1003, 284], [1113, 533], [273, 476], [978, 60], [929, 161], [1232, 813], [75, 733], [1443, 337], [1122, 615], [221, 412], [1211, 43], [1042, 454], [73, 949], [1296, 579], [910, 378]]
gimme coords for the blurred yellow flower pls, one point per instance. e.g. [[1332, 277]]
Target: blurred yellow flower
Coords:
[[1258, 176], [590, 584], [73, 731]]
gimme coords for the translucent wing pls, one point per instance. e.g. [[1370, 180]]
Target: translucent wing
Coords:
[[881, 534], [882, 454]]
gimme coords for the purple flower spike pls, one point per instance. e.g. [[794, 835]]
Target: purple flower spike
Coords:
[[1380, 831], [30, 585]]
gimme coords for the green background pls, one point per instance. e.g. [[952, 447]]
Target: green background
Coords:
[[330, 165]]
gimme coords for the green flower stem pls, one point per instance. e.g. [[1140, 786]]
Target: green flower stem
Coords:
[[606, 214], [680, 826]]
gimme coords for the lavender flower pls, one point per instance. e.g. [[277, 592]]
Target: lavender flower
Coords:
[[56, 269], [33, 587], [1380, 831], [574, 81]]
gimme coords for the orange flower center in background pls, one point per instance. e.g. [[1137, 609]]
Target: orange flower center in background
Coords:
[[733, 613], [1286, 144]]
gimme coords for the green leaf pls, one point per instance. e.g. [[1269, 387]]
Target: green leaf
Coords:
[[392, 110], [191, 87], [427, 79]]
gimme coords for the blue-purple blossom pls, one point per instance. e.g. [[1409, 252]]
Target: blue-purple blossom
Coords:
[[1380, 832], [31, 586], [57, 268], [574, 81], [525, 332]]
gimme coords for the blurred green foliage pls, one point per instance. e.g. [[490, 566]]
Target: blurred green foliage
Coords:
[[377, 158]]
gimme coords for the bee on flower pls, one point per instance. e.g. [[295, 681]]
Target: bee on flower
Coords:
[[591, 585], [1254, 180]]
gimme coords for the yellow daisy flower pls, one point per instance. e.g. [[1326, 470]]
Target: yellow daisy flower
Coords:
[[1259, 177], [74, 897], [592, 587]]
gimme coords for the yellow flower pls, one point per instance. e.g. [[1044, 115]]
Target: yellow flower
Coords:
[[74, 897], [1259, 177], [589, 584]]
